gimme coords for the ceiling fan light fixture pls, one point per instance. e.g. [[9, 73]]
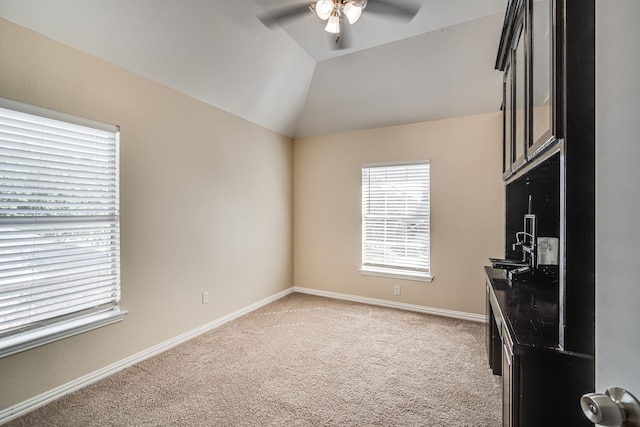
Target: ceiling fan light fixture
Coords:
[[352, 11], [324, 9], [333, 24]]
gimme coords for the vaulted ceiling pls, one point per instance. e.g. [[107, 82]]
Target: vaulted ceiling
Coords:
[[289, 78]]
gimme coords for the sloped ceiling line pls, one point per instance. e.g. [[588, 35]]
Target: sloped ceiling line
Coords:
[[439, 65]]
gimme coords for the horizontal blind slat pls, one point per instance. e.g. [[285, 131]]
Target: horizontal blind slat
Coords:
[[59, 220], [46, 300], [395, 217], [73, 306]]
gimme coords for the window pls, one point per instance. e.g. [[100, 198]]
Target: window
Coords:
[[59, 226], [395, 221]]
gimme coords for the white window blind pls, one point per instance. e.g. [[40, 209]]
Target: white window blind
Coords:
[[59, 228], [395, 220]]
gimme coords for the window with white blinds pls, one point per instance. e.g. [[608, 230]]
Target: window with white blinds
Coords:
[[395, 220], [59, 226]]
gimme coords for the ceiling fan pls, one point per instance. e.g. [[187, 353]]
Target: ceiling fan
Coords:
[[334, 12]]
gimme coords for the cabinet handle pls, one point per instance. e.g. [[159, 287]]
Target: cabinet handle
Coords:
[[617, 407]]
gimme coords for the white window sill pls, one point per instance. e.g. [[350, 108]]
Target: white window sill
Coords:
[[382, 272], [20, 342]]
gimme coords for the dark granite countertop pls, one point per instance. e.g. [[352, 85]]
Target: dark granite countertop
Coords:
[[529, 309]]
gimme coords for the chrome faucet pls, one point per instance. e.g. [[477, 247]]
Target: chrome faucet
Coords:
[[526, 242]]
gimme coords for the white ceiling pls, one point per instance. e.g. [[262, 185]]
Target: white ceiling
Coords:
[[288, 79]]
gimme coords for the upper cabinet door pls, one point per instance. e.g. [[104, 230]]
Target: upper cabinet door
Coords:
[[541, 65], [507, 123], [530, 55], [519, 106]]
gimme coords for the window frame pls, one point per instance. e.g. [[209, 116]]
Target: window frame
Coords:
[[16, 339], [397, 271]]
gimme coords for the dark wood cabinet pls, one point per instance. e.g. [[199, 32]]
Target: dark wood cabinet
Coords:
[[541, 383], [510, 380], [530, 55], [547, 54], [507, 124], [514, 95], [493, 340], [518, 97]]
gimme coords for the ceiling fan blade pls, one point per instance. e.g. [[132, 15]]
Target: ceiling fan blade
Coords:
[[284, 14], [405, 11]]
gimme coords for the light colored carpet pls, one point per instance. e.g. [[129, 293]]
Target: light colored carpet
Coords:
[[301, 361]]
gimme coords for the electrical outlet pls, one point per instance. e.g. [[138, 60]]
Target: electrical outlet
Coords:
[[205, 297], [396, 290]]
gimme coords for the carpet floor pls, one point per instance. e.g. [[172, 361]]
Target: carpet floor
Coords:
[[301, 361]]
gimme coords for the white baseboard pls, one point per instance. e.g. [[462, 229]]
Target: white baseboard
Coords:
[[393, 304], [29, 405]]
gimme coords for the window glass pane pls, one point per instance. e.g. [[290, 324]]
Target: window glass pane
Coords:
[[541, 63], [59, 222], [395, 218]]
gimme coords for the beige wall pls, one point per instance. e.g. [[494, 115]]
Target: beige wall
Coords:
[[467, 205], [206, 204]]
